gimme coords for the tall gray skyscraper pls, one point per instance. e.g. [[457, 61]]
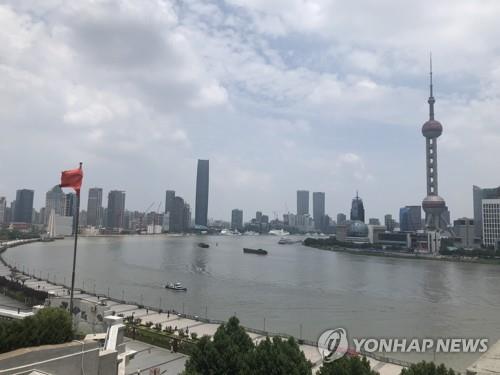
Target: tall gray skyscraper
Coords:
[[23, 211], [116, 209], [54, 200], [478, 195], [94, 208], [389, 222], [302, 202], [318, 209], [169, 200], [3, 210], [177, 221], [341, 219], [357, 209], [237, 219], [410, 218], [433, 205], [201, 209]]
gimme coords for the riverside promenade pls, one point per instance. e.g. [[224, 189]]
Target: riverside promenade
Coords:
[[177, 321]]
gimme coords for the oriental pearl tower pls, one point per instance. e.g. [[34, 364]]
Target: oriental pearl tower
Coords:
[[433, 205]]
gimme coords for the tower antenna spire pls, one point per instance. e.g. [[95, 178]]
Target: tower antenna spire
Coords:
[[431, 100]]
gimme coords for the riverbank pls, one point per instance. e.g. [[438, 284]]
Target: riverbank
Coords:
[[410, 256]]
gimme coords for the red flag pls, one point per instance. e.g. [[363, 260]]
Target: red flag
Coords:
[[72, 178]]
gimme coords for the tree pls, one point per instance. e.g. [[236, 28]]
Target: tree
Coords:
[[427, 368], [232, 352], [278, 356], [226, 354], [347, 365], [48, 326]]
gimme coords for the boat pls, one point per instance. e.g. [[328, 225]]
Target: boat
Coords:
[[286, 241], [254, 251], [280, 232], [204, 245], [176, 286]]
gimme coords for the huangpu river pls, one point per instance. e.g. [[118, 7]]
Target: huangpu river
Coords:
[[294, 289]]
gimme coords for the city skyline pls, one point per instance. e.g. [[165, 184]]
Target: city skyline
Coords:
[[342, 114]]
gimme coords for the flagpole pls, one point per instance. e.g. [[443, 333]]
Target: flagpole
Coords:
[[77, 213]]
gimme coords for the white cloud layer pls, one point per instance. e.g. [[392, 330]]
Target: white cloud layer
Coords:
[[279, 95]]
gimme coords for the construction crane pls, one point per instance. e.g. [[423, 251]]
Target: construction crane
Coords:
[[144, 223]]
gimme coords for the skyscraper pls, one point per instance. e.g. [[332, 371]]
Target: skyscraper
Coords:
[[3, 209], [491, 222], [433, 205], [341, 219], [94, 208], [410, 218], [478, 195], [116, 209], [186, 217], [201, 209], [54, 200], [357, 209], [169, 200], [23, 211], [177, 216], [302, 202], [389, 222], [318, 209], [69, 204]]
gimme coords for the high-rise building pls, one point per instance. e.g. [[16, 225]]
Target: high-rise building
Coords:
[[389, 222], [341, 219], [357, 209], [433, 205], [201, 208], [169, 200], [319, 209], [94, 208], [478, 195], [410, 218], [186, 218], [258, 216], [237, 219], [491, 222], [23, 212], [70, 204], [177, 216], [302, 202], [373, 221], [54, 200], [116, 210], [3, 209], [464, 230]]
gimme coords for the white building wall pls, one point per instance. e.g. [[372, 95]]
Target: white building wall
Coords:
[[491, 221]]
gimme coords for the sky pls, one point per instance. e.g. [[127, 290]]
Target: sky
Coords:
[[281, 95]]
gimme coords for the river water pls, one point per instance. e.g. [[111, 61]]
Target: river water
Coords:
[[295, 289]]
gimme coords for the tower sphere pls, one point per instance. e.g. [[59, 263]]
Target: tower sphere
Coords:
[[433, 201], [432, 129]]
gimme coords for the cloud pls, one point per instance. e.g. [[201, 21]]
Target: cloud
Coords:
[[278, 94]]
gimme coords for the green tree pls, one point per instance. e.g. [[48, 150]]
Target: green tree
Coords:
[[347, 365], [226, 354], [232, 352], [427, 368], [279, 357], [48, 326]]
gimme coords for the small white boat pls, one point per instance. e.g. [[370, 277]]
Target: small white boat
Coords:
[[176, 286], [280, 232]]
